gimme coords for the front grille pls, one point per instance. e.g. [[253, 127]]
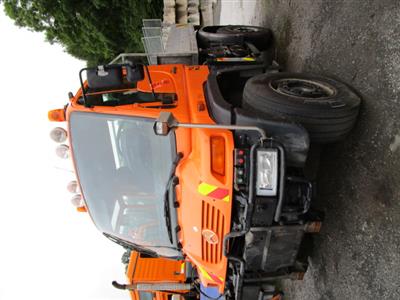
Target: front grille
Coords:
[[212, 219]]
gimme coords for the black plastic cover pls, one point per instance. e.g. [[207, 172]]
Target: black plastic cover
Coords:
[[292, 136], [264, 210], [104, 77], [134, 73], [219, 109]]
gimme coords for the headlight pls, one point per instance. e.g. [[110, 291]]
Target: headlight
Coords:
[[62, 151], [76, 200], [267, 172], [58, 134]]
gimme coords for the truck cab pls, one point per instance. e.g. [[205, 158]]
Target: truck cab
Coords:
[[134, 182]]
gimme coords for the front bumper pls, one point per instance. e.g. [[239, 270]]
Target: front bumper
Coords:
[[268, 232]]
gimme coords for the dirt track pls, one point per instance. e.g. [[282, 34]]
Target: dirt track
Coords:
[[357, 254]]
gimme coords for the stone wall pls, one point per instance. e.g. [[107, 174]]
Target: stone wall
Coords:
[[197, 12]]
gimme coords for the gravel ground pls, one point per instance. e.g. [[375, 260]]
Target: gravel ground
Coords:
[[357, 254]]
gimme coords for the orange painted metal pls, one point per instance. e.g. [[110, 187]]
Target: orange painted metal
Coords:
[[153, 270], [196, 211]]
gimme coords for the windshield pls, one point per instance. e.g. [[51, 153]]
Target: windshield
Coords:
[[123, 169]]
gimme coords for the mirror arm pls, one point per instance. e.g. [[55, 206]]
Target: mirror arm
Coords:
[[166, 121]]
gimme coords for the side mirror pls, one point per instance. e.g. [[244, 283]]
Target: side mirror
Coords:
[[104, 77], [165, 122], [134, 73]]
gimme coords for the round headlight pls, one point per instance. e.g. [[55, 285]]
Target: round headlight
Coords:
[[58, 134], [73, 187], [62, 151], [77, 201]]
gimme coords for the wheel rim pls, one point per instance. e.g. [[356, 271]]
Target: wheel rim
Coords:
[[302, 88], [238, 50]]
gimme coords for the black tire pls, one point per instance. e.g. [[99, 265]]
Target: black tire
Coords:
[[327, 108], [234, 34]]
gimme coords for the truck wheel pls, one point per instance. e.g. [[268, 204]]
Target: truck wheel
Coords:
[[234, 34], [327, 108]]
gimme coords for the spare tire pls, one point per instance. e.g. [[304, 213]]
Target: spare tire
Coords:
[[209, 36], [327, 108]]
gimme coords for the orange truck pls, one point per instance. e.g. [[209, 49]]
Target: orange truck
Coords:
[[209, 162]]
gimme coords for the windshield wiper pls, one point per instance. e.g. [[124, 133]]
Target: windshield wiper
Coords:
[[130, 245], [171, 183]]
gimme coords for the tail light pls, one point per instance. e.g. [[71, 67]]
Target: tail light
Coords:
[[218, 155]]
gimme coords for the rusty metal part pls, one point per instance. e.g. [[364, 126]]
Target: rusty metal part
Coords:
[[313, 227]]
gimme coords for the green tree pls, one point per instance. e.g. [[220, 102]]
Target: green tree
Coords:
[[92, 30]]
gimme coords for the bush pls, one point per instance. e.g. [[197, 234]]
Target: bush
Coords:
[[93, 30]]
